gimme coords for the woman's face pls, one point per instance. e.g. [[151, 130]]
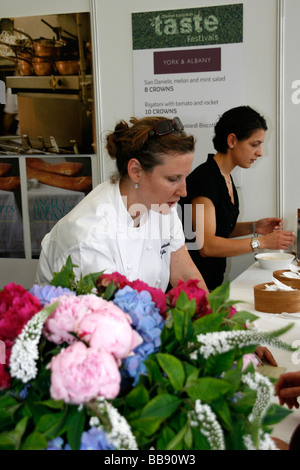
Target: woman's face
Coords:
[[245, 152], [163, 186]]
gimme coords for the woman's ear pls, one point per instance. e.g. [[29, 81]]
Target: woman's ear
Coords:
[[231, 140], [134, 170]]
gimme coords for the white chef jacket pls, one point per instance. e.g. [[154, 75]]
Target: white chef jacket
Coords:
[[99, 235]]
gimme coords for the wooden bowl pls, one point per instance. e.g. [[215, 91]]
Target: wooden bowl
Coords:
[[275, 301], [294, 283]]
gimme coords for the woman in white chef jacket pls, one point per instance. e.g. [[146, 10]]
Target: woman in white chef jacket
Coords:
[[130, 224]]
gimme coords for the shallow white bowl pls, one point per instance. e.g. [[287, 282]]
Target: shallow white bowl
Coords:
[[274, 261]]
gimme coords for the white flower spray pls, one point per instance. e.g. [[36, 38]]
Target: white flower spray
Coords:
[[264, 390], [223, 341], [204, 418], [25, 352], [120, 434]]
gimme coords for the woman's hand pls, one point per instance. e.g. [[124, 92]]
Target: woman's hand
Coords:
[[268, 225], [264, 354], [277, 240], [288, 389]]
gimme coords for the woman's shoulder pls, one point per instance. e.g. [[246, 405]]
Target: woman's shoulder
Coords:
[[202, 179]]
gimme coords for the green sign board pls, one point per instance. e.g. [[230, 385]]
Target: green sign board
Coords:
[[188, 27]]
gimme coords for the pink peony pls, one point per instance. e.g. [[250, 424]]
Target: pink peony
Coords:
[[193, 292], [109, 330], [80, 374], [69, 312], [250, 358]]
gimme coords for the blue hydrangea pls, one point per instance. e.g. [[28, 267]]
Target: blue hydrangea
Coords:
[[56, 444], [147, 321], [93, 439], [46, 293]]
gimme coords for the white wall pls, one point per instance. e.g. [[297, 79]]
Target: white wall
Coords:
[[290, 155], [114, 85], [113, 19]]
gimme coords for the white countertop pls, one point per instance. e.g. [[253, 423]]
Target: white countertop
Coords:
[[241, 289]]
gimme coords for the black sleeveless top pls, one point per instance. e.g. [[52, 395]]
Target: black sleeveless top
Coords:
[[207, 181]]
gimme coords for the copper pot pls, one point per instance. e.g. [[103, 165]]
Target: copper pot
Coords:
[[67, 67], [42, 66], [47, 48], [24, 67]]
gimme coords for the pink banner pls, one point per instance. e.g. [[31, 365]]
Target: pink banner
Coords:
[[187, 61]]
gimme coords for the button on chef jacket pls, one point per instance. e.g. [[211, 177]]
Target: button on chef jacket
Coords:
[[99, 235]]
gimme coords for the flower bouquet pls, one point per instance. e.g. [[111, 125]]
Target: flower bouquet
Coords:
[[103, 363]]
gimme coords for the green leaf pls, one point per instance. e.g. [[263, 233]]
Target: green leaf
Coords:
[[215, 365], [183, 328], [53, 404], [138, 397], [146, 426], [11, 440], [207, 389], [244, 403], [153, 370], [20, 430], [109, 291], [162, 406], [241, 317], [208, 323], [173, 368], [218, 296], [223, 413], [166, 435], [35, 441], [233, 376], [75, 427], [50, 424], [8, 440], [275, 414], [8, 407], [182, 300], [177, 442], [87, 283], [65, 277]]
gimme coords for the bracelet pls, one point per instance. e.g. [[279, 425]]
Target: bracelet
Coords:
[[253, 229]]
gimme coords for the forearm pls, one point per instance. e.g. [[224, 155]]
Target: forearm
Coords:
[[225, 247], [242, 229], [183, 268]]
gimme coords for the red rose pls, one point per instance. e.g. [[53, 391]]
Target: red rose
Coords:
[[104, 280], [17, 307], [193, 292]]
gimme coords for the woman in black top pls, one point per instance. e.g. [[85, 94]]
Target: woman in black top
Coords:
[[239, 135]]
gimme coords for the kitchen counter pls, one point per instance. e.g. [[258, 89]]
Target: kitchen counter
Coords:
[[241, 289]]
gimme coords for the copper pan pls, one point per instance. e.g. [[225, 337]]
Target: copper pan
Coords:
[[47, 47]]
